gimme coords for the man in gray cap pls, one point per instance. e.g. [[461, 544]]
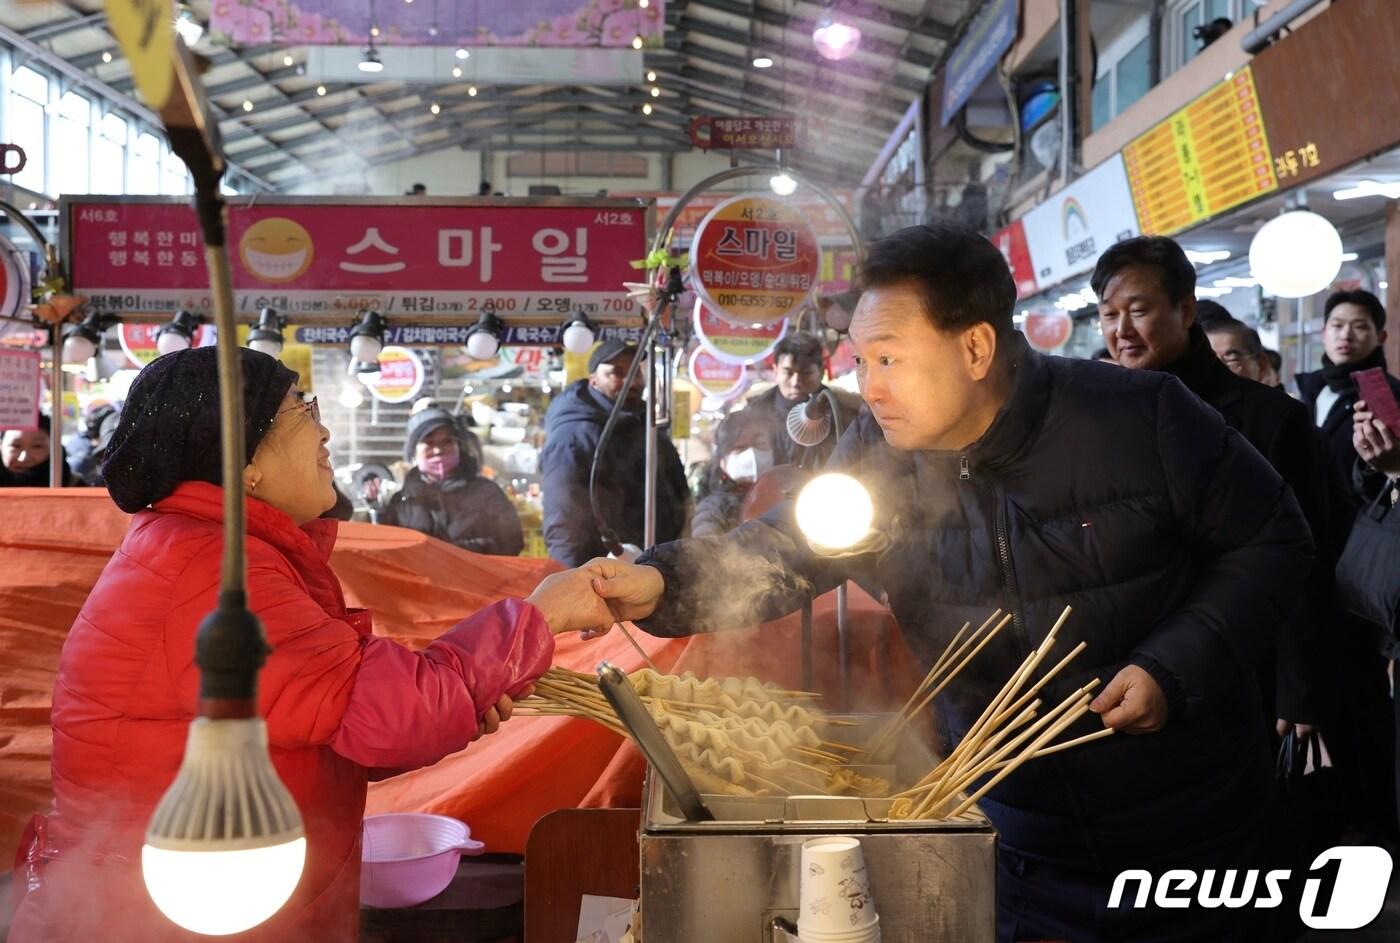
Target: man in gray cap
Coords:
[[573, 428]]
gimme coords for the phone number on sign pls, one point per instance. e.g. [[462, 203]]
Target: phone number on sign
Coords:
[[729, 300]]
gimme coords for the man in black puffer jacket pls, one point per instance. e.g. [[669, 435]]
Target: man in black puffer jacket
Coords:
[[573, 427], [443, 494], [1003, 478]]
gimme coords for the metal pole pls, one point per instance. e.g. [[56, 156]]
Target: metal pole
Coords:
[[807, 645], [649, 492], [1068, 105], [56, 410], [843, 645]]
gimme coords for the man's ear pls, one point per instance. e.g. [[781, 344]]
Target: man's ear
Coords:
[[979, 345], [1188, 311]]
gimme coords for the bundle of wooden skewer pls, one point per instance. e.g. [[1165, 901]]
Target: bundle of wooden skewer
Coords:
[[735, 736], [1009, 732]]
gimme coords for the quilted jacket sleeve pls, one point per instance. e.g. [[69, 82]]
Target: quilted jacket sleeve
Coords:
[[371, 699], [1255, 548]]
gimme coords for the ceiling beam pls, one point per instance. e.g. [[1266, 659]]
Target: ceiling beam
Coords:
[[871, 46], [64, 26], [887, 17], [851, 99]]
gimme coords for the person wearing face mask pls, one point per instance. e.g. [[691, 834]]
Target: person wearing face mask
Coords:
[[573, 431], [24, 458], [742, 454], [444, 496]]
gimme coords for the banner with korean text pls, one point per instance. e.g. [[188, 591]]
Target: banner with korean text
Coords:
[[530, 262]]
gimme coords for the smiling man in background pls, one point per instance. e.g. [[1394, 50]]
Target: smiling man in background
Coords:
[[1006, 479]]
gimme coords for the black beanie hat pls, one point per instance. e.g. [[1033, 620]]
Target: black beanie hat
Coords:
[[422, 423], [169, 429]]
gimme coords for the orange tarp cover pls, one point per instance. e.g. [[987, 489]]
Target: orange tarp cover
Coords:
[[53, 547]]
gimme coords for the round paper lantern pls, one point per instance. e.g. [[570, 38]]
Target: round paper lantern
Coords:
[[1296, 254]]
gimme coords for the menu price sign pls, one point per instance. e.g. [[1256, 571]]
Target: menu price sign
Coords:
[[736, 343], [714, 377], [314, 256], [19, 390], [755, 260], [1208, 157]]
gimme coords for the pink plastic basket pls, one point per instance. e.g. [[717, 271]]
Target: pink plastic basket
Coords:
[[409, 857]]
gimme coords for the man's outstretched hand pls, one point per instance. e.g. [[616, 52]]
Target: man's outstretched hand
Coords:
[[629, 591]]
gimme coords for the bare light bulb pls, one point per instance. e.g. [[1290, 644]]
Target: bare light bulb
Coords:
[[835, 511], [365, 348], [435, 108], [578, 338], [651, 76], [462, 52], [638, 41], [763, 62], [320, 90], [287, 60], [171, 341], [646, 108], [106, 56], [225, 847], [1296, 254], [247, 104], [782, 184], [655, 92], [78, 349], [471, 90], [482, 345], [456, 72], [835, 40]]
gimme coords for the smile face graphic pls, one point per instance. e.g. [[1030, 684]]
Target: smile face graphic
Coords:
[[276, 249]]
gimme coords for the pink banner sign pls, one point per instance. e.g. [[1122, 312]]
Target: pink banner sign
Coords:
[[420, 260], [19, 390], [606, 23]]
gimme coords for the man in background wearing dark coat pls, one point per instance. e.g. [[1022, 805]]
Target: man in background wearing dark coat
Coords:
[[573, 427], [1147, 311], [1004, 478], [443, 494]]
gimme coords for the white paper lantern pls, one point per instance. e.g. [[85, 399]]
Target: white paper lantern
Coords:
[[1296, 254]]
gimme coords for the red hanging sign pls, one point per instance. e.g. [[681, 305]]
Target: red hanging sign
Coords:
[[755, 259]]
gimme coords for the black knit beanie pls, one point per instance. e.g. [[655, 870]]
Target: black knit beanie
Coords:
[[421, 424], [169, 430]]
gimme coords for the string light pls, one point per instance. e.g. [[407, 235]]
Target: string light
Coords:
[[646, 109]]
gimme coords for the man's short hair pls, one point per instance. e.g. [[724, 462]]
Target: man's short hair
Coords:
[[1275, 359], [1208, 311], [804, 349], [1247, 336], [1362, 299], [1175, 273], [963, 279]]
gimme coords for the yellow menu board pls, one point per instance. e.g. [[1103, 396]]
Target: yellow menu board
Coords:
[[1206, 158]]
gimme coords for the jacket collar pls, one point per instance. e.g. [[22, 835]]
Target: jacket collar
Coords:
[[1201, 370], [1018, 421], [307, 548]]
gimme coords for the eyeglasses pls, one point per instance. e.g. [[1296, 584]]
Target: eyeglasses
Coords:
[[308, 404]]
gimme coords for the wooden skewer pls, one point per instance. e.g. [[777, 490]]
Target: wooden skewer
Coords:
[[640, 651]]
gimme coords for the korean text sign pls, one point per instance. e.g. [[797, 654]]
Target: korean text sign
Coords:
[[19, 390], [755, 259], [320, 256]]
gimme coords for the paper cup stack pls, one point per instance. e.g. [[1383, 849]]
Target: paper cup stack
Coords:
[[836, 902]]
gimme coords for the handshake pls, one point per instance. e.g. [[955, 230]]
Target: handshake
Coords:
[[592, 598]]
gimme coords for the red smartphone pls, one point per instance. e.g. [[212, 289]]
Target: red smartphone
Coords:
[[1379, 399]]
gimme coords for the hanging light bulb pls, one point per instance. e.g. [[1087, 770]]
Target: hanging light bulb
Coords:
[[834, 511], [320, 90], [456, 72], [81, 341], [1296, 254], [247, 104], [179, 333], [433, 29], [655, 92], [435, 108], [835, 40], [106, 56], [471, 90], [643, 3], [578, 334], [462, 52], [371, 61], [367, 338], [646, 108], [484, 339], [638, 42], [267, 335], [374, 31], [651, 76], [763, 62], [288, 61], [506, 387], [782, 183], [189, 28]]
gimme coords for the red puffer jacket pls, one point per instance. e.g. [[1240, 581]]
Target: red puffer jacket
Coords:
[[339, 703]]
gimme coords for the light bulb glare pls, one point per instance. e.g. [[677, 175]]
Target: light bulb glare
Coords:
[[320, 90], [782, 184], [763, 62], [835, 511], [366, 348], [1296, 254], [222, 892], [461, 53]]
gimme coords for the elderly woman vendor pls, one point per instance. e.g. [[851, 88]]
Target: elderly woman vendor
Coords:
[[339, 702]]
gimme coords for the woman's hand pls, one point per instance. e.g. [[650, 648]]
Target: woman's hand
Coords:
[[491, 721], [569, 603], [1373, 441]]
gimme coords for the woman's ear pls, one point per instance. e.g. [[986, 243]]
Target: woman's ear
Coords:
[[251, 477]]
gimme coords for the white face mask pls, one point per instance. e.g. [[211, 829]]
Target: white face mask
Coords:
[[747, 465]]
